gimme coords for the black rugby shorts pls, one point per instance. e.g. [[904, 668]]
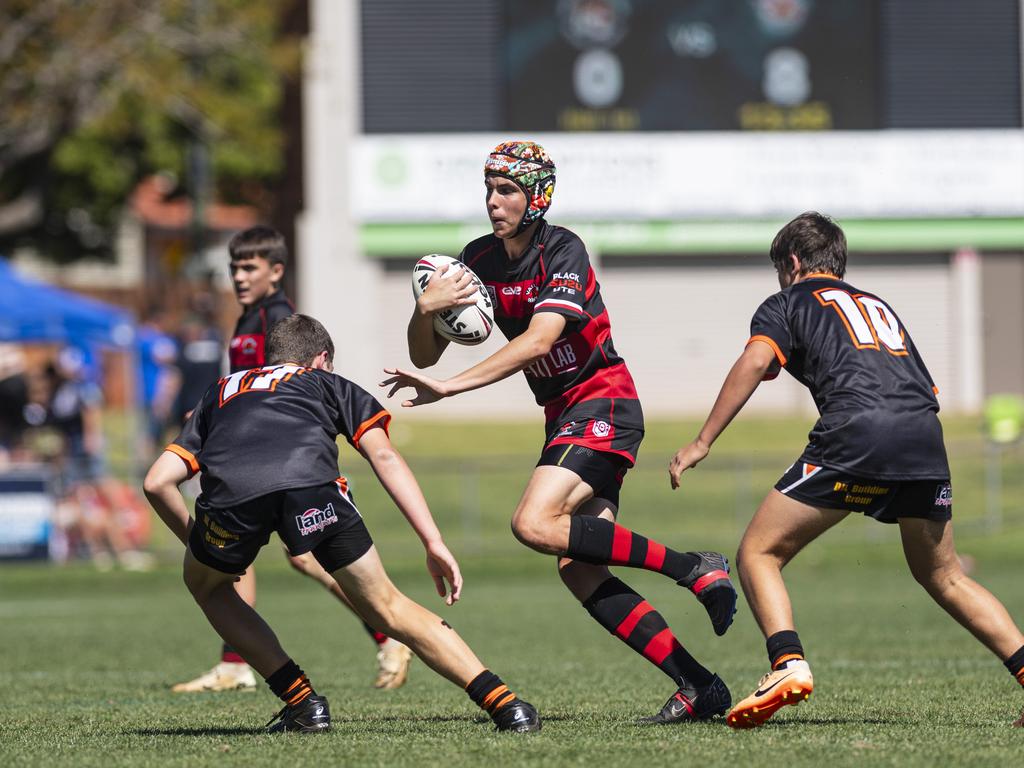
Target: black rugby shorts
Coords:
[[884, 500], [602, 471], [321, 519], [598, 439]]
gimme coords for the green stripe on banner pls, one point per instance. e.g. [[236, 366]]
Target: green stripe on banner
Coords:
[[710, 237]]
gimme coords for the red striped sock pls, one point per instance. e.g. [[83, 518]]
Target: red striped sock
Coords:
[[602, 542], [378, 637], [633, 620], [230, 655]]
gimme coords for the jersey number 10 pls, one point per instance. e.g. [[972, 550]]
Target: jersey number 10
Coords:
[[868, 320]]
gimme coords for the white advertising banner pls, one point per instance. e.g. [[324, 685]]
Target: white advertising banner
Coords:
[[666, 176]]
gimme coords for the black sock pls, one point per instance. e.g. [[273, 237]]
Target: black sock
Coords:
[[602, 542], [489, 693], [1016, 665], [784, 646], [290, 684], [633, 620]]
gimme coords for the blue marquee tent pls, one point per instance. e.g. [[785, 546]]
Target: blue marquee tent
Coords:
[[35, 311]]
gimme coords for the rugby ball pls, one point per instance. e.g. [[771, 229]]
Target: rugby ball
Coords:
[[469, 324]]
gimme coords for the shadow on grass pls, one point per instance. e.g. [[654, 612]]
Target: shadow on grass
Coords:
[[364, 723], [900, 721]]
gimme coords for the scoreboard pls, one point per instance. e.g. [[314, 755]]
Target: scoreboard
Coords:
[[568, 66], [671, 65]]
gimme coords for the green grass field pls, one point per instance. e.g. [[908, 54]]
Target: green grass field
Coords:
[[87, 656]]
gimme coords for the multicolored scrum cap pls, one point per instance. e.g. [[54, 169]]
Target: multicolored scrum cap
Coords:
[[529, 166]]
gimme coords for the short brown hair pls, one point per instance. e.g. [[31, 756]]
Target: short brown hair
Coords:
[[298, 339], [816, 240], [264, 242]]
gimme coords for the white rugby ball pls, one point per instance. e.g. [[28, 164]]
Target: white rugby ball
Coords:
[[468, 324]]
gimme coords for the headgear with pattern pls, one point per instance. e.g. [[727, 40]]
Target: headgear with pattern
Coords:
[[529, 166]]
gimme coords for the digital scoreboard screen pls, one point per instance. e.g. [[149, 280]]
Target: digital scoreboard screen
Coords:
[[671, 65]]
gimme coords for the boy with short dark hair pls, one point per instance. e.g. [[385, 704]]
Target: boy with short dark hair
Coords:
[[259, 257], [877, 449], [290, 484]]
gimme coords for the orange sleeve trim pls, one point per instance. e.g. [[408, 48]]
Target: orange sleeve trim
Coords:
[[185, 456], [771, 343], [935, 390], [383, 416]]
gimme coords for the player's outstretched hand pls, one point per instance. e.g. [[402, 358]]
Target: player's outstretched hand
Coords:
[[441, 294], [442, 567], [686, 458], [428, 390]]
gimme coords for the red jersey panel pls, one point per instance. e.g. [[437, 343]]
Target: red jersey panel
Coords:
[[246, 348], [555, 275]]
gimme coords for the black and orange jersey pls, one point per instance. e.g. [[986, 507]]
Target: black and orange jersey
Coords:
[[268, 429], [245, 350], [554, 275], [874, 395]]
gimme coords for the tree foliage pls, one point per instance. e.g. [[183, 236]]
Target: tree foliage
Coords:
[[97, 95]]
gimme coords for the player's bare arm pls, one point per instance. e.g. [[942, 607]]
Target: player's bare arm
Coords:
[[545, 328], [425, 345], [400, 483], [161, 488], [746, 373]]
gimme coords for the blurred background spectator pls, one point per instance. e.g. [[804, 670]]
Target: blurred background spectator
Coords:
[[159, 374], [97, 513]]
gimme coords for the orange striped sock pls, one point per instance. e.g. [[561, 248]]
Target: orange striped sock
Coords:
[[784, 646], [1015, 665], [290, 684], [489, 693], [297, 691], [781, 661]]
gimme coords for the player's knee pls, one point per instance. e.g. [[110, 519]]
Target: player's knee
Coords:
[[936, 579], [529, 530], [383, 610]]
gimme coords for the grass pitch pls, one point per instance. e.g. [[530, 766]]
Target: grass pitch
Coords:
[[88, 657]]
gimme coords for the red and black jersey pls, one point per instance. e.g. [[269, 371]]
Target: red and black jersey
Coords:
[[268, 429], [554, 275], [246, 349], [874, 394]]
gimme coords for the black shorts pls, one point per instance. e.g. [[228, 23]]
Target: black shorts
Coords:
[[598, 439], [603, 472], [322, 519], [884, 500]]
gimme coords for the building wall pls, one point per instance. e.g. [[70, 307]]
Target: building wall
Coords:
[[1002, 280]]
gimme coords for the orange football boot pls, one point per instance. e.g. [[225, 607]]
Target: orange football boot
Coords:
[[782, 687]]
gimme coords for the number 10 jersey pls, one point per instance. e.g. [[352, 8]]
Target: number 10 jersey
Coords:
[[876, 399]]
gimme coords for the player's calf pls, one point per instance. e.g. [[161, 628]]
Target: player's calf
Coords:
[[706, 574]]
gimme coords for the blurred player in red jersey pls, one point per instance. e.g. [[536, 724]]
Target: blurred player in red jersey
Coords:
[[259, 257], [877, 449], [548, 305], [265, 441]]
